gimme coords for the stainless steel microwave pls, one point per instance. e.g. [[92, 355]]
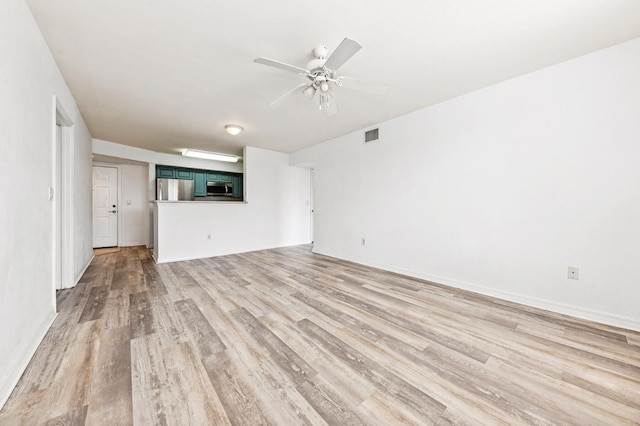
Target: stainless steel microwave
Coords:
[[220, 189]]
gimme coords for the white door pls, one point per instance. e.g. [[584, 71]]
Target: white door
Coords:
[[105, 206]]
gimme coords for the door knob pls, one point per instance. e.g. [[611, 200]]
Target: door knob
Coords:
[[113, 211]]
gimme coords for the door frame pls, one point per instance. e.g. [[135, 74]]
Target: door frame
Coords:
[[312, 204], [61, 193]]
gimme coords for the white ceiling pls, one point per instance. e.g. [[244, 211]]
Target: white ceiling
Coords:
[[169, 74]]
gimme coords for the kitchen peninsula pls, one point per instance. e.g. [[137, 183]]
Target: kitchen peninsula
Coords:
[[186, 196], [186, 230]]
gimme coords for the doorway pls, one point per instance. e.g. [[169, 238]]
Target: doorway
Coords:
[[105, 206], [61, 193]]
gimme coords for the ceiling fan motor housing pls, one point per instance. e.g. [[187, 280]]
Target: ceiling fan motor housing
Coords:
[[316, 65], [320, 52]]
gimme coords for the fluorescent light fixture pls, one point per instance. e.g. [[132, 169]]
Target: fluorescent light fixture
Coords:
[[210, 155], [233, 129]]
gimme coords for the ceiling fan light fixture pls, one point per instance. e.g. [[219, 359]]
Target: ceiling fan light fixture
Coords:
[[210, 155], [233, 129], [320, 72], [309, 92]]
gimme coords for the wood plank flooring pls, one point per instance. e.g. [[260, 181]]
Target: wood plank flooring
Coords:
[[286, 337]]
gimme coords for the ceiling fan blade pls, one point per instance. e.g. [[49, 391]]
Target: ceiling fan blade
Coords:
[[277, 102], [342, 54], [281, 65], [368, 86], [328, 104]]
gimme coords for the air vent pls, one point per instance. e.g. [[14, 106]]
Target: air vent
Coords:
[[371, 135]]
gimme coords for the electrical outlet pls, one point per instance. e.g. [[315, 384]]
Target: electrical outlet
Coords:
[[572, 273]]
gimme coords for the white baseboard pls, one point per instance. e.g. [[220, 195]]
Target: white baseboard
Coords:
[[223, 253], [16, 370], [84, 269], [132, 244], [21, 363], [549, 305]]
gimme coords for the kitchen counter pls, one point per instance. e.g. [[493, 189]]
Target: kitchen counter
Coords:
[[204, 200], [221, 199]]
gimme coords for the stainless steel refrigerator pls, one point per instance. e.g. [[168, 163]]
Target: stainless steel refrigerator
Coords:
[[174, 189]]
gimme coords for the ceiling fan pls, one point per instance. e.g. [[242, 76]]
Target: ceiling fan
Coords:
[[322, 74]]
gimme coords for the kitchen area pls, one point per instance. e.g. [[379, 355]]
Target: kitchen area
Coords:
[[187, 196], [186, 184], [268, 206]]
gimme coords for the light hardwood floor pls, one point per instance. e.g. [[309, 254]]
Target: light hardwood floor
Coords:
[[286, 337]]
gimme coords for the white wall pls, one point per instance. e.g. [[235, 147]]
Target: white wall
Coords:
[[29, 80], [276, 214], [134, 205], [500, 190], [138, 154]]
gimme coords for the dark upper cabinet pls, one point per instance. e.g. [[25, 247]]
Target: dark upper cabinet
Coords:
[[200, 183], [218, 177], [165, 172], [236, 181], [184, 174]]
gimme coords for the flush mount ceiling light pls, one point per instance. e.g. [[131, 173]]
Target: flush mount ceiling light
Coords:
[[210, 155], [233, 129]]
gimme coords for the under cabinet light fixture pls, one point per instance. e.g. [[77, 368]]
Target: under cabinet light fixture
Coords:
[[233, 129], [210, 155]]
